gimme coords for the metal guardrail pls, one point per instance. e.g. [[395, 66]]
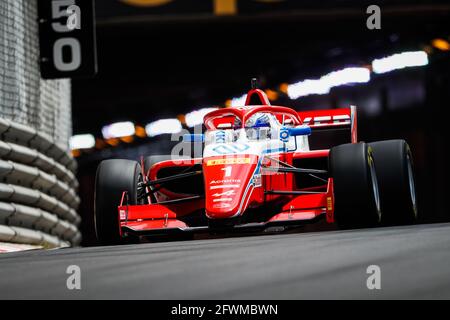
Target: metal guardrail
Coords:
[[38, 199]]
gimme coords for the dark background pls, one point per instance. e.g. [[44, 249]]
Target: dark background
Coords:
[[158, 62]]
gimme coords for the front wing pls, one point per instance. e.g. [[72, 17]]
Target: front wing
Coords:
[[160, 219]]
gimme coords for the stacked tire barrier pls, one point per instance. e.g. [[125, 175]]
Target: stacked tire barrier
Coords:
[[38, 199]]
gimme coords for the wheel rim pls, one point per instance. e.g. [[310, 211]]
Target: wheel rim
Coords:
[[139, 192], [376, 193], [412, 186]]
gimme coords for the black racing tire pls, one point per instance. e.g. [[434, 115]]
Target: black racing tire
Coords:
[[174, 185], [395, 173], [356, 196], [149, 161], [112, 179]]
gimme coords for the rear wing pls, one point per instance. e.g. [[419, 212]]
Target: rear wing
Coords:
[[331, 127]]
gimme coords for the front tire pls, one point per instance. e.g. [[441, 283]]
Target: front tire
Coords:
[[357, 201], [395, 173], [112, 179]]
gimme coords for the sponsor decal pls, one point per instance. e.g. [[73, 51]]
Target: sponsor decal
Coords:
[[220, 136], [221, 194], [226, 161], [222, 200], [345, 118], [284, 134], [257, 180], [226, 193], [329, 204], [225, 181], [221, 205], [223, 186], [122, 214], [234, 148]]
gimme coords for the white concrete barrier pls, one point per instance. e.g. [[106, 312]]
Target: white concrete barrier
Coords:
[[17, 215], [32, 157], [6, 233]]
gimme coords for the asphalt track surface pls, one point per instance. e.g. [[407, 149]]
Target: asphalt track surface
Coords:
[[414, 263]]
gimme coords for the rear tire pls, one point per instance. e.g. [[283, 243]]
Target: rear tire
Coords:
[[148, 163], [151, 160], [395, 174], [184, 186], [112, 179], [357, 201]]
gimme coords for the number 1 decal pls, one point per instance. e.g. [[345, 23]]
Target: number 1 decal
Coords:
[[227, 171]]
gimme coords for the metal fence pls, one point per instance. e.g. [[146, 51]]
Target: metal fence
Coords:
[[25, 97], [38, 199]]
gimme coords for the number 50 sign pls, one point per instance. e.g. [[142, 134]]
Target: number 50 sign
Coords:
[[67, 38]]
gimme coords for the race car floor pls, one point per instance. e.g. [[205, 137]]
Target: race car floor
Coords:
[[413, 262]]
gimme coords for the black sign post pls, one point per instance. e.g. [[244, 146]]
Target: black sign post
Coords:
[[67, 38]]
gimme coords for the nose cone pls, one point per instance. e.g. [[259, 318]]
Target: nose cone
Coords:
[[228, 184]]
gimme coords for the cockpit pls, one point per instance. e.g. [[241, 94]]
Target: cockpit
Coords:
[[259, 126], [253, 124]]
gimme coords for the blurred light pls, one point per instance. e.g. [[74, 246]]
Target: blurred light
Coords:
[[163, 126], [271, 94], [325, 83], [118, 130], [195, 117], [182, 118], [284, 87], [76, 153], [400, 61], [347, 76], [239, 101], [140, 132], [113, 141], [82, 141], [128, 139], [428, 49], [225, 7], [306, 88], [100, 144], [441, 44]]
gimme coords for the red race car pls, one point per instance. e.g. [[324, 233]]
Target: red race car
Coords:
[[262, 166]]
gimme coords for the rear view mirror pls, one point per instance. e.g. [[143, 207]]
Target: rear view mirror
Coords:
[[285, 133], [300, 131]]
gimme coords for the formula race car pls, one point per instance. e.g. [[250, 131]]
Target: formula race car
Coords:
[[263, 166]]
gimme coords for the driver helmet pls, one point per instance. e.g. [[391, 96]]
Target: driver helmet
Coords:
[[258, 120]]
